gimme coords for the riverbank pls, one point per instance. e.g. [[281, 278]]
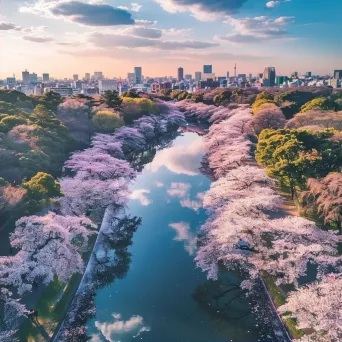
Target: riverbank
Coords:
[[245, 207], [130, 139]]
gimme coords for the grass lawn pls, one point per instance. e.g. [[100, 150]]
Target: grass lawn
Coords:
[[51, 307]]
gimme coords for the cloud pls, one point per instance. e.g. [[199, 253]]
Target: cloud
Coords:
[[38, 39], [183, 233], [275, 3], [272, 4], [144, 32], [86, 13], [145, 23], [140, 196], [104, 40], [203, 9], [135, 7], [252, 30], [6, 26], [120, 329], [177, 32], [159, 184], [179, 190], [193, 204], [180, 159]]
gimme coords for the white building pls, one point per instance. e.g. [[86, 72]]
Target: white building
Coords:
[[98, 75], [206, 76], [131, 77], [63, 91], [107, 85]]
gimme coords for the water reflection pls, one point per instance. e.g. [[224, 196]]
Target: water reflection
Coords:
[[183, 233], [144, 283], [120, 329], [180, 159]]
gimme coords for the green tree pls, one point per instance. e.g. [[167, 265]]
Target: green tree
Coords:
[[10, 121], [131, 93], [174, 94], [222, 98], [112, 99], [292, 156], [49, 100], [182, 96], [259, 103], [106, 121], [42, 186], [319, 103], [265, 95]]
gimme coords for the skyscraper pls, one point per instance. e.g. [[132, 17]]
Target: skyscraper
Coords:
[[227, 75], [75, 77], [198, 76], [33, 78], [46, 77], [138, 75], [338, 74], [269, 77], [180, 74], [98, 75], [207, 69], [26, 77], [87, 76]]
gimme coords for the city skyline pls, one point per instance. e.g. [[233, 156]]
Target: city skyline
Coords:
[[64, 37]]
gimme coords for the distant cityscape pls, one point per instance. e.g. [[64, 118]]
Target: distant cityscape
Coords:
[[97, 83]]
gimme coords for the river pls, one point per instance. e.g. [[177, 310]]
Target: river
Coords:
[[161, 295]]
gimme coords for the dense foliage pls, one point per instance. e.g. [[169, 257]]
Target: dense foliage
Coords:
[[293, 156], [107, 122]]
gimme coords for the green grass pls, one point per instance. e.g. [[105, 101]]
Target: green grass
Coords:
[[279, 298], [52, 305]]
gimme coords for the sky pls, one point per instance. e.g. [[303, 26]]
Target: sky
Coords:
[[66, 37]]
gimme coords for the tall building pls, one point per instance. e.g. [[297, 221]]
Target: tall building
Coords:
[[75, 77], [198, 76], [131, 77], [269, 78], [138, 75], [98, 75], [227, 75], [87, 76], [188, 77], [338, 74], [207, 69], [26, 77], [107, 85], [33, 78], [308, 74], [180, 74], [46, 77]]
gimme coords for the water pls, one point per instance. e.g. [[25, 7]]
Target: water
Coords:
[[161, 295]]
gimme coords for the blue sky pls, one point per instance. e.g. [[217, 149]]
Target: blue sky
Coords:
[[64, 37]]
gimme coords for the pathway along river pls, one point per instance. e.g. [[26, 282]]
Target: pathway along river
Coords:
[[162, 295]]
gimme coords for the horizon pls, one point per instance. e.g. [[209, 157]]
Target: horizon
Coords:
[[65, 37]]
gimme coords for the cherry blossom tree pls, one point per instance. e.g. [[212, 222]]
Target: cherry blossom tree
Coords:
[[268, 118], [93, 196], [47, 246], [243, 208], [321, 118], [105, 143], [327, 195], [12, 312], [317, 307], [130, 138], [93, 164]]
